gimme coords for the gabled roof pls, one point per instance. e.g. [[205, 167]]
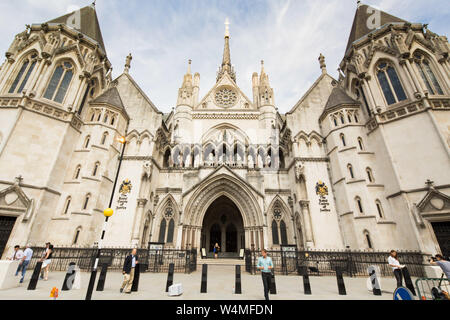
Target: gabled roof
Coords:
[[88, 24], [134, 83], [339, 97], [315, 84], [110, 96], [361, 23]]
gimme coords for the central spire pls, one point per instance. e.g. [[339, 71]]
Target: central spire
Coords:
[[226, 61]]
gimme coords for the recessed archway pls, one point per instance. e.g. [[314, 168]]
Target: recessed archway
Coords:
[[223, 224]]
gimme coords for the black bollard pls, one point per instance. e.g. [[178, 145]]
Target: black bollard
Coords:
[[170, 276], [69, 278], [408, 281], [102, 278], [238, 286], [204, 278], [273, 286], [35, 276], [137, 272], [374, 281], [306, 284], [340, 282]]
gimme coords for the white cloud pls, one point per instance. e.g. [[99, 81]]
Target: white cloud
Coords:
[[162, 35]]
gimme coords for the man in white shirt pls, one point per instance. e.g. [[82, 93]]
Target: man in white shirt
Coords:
[[18, 254], [25, 261]]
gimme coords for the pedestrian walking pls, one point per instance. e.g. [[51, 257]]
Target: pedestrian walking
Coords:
[[441, 262], [265, 264], [25, 261], [128, 271], [396, 267], [17, 255], [216, 250], [46, 260]]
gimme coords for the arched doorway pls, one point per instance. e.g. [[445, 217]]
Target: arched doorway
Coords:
[[223, 224]]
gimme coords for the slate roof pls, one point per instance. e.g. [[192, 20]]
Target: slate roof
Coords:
[[89, 24], [339, 97], [360, 23], [110, 96]]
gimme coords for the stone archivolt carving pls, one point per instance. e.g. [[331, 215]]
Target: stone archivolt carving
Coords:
[[249, 212]]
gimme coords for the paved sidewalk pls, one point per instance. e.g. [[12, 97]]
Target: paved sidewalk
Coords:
[[221, 280]]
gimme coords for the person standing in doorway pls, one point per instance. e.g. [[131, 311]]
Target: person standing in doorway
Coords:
[[396, 267], [265, 264], [46, 260], [26, 259], [216, 250], [128, 271]]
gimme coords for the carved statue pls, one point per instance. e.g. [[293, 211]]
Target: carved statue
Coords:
[[210, 158], [250, 162], [260, 161], [268, 161], [238, 159], [299, 169], [147, 167]]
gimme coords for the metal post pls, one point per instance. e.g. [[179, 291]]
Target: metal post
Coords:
[[94, 271], [204, 278], [238, 286], [170, 276], [35, 276]]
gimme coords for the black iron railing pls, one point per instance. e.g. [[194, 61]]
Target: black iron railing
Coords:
[[352, 263], [152, 260]]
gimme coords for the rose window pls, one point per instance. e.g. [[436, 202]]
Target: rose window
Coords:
[[225, 98]]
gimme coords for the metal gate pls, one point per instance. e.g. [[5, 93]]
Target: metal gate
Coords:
[[6, 226], [442, 232]]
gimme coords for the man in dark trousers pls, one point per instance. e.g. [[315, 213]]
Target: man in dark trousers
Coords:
[[265, 264], [128, 271]]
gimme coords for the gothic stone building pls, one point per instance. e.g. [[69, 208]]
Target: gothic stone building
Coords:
[[359, 162]]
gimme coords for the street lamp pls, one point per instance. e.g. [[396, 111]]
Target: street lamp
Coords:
[[107, 213]]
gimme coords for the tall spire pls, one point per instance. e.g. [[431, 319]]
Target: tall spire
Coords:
[[226, 60]]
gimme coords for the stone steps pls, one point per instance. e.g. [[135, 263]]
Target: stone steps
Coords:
[[221, 262]]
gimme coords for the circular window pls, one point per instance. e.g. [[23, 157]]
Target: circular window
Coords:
[[225, 98]]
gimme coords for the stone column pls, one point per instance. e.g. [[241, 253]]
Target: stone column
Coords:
[[413, 76], [411, 82], [307, 221], [223, 238], [255, 232], [35, 74], [247, 238], [138, 219], [183, 236], [261, 238]]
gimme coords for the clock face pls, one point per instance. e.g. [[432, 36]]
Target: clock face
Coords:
[[225, 97]]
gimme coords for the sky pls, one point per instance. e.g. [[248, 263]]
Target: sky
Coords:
[[163, 35]]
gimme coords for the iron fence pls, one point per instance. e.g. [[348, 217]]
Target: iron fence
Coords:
[[151, 260], [352, 263]]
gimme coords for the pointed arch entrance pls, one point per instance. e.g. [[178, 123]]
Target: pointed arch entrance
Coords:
[[223, 224]]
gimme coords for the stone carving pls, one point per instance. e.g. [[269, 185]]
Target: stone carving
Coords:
[[147, 167], [197, 160], [250, 162], [299, 170], [225, 98]]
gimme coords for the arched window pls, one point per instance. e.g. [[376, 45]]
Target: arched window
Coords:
[[86, 142], [275, 239], [356, 117], [335, 121], [59, 82], [24, 74], [99, 115], [96, 166], [379, 209], [369, 174], [77, 172], [360, 143], [93, 116], [283, 233], [368, 240], [427, 74], [282, 161], [166, 158], [113, 120], [105, 135], [86, 201], [67, 205], [162, 231], [343, 139], [350, 170], [105, 120], [170, 231], [342, 118], [77, 235], [359, 204], [390, 83], [349, 117]]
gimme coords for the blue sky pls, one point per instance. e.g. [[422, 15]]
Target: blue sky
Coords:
[[163, 35]]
